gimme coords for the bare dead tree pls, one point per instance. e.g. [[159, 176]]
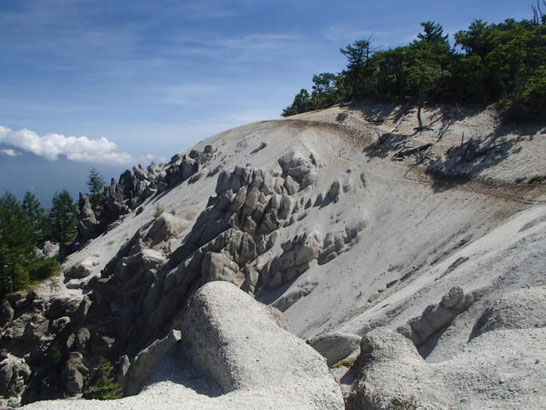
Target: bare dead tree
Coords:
[[539, 16]]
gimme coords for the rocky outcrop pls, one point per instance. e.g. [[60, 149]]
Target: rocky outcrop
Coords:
[[14, 374], [335, 346], [436, 317], [274, 233], [139, 371], [46, 331], [80, 270], [523, 309], [298, 253], [135, 186], [335, 243], [145, 285], [89, 226], [235, 239], [256, 363], [74, 373], [392, 373]]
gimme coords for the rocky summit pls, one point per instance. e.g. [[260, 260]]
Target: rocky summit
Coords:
[[341, 258]]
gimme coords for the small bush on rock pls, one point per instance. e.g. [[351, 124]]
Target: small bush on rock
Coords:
[[43, 268], [404, 404], [158, 211], [105, 386]]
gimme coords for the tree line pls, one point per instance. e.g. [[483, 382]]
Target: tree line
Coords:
[[25, 226], [501, 63]]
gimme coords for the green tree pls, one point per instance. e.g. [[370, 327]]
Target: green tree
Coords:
[[64, 218], [433, 33], [425, 66], [360, 71], [302, 103], [491, 63], [475, 39], [96, 185], [16, 244], [390, 74], [325, 90], [37, 216]]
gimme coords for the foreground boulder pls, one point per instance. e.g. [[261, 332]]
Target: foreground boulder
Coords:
[[502, 366], [236, 342]]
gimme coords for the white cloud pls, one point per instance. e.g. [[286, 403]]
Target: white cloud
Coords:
[[9, 152], [148, 158], [52, 145]]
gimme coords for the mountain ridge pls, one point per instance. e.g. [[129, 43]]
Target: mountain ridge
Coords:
[[341, 224]]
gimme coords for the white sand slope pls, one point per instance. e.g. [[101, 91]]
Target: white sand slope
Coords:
[[400, 239]]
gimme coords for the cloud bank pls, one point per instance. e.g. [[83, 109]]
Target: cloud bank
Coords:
[[52, 146], [9, 152]]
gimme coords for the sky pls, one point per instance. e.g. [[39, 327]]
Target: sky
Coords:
[[119, 82]]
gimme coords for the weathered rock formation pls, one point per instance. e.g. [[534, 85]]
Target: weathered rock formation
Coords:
[[501, 367], [256, 363], [135, 186], [437, 317], [143, 288], [14, 374], [339, 241], [335, 346]]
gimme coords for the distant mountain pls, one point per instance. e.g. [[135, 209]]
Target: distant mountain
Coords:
[[43, 177]]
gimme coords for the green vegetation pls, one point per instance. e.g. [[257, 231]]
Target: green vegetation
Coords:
[[96, 185], [24, 227], [344, 363], [489, 63], [55, 355], [105, 386], [404, 404], [158, 211], [64, 218]]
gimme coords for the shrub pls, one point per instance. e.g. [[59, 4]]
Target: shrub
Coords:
[[404, 404], [158, 211], [21, 276], [344, 363], [105, 386], [55, 355], [41, 269]]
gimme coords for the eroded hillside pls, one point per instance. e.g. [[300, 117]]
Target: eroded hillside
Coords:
[[345, 219]]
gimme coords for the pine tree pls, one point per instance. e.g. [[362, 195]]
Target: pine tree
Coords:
[[64, 218], [96, 188], [36, 216], [17, 243]]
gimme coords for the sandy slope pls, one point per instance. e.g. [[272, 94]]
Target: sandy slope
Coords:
[[409, 225], [416, 236]]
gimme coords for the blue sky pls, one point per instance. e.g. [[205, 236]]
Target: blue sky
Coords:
[[155, 77]]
